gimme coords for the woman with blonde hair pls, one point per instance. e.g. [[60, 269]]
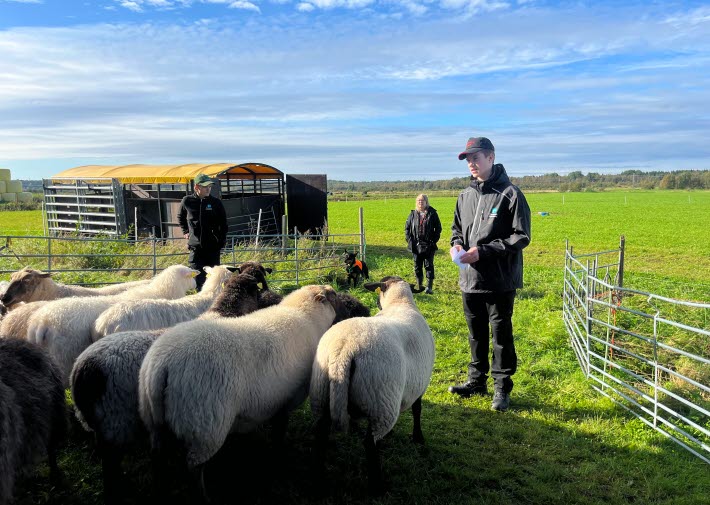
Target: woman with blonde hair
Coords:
[[422, 232]]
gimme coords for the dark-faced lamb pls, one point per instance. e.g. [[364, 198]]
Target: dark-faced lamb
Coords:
[[32, 412], [205, 379], [30, 285], [104, 386], [374, 367], [64, 326]]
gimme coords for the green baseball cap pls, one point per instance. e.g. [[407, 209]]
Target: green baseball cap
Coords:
[[203, 180]]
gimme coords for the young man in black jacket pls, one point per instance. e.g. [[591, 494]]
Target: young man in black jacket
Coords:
[[492, 227], [422, 231], [204, 225]]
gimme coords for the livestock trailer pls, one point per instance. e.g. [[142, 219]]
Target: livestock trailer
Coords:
[[145, 199]]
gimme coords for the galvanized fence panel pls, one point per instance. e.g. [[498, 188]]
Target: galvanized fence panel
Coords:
[[295, 258], [648, 353]]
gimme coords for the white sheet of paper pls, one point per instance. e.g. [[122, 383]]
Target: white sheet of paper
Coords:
[[456, 256]]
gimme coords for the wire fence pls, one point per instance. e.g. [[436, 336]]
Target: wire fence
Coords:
[[648, 353], [295, 258]]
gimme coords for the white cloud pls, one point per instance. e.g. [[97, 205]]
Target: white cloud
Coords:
[[132, 6], [304, 7], [244, 5]]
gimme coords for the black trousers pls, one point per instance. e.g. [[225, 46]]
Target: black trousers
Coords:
[[199, 258], [491, 314], [426, 260]]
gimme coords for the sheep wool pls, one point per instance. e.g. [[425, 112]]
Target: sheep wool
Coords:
[[63, 327], [104, 386], [154, 314], [32, 411], [205, 379], [378, 366], [14, 324]]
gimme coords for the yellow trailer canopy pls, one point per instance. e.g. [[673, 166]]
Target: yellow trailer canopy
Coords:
[[171, 174]]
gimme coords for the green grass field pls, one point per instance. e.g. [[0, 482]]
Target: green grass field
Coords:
[[561, 443]]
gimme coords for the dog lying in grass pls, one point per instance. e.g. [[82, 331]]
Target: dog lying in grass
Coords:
[[355, 268]]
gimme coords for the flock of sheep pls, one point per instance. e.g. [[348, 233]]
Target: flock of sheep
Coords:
[[148, 365]]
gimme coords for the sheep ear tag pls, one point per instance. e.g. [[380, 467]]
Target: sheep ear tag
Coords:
[[378, 291]]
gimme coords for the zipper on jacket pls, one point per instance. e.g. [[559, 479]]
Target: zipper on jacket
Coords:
[[475, 228]]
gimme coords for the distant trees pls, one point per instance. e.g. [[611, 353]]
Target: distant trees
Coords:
[[574, 181]]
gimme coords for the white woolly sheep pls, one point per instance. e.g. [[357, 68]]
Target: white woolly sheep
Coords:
[[32, 412], [155, 314], [64, 326], [104, 386], [30, 285], [376, 368], [205, 379]]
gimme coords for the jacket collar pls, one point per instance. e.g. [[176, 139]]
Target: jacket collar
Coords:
[[498, 177]]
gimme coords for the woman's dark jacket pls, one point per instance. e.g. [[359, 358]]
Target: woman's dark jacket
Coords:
[[432, 231], [205, 220], [493, 216]]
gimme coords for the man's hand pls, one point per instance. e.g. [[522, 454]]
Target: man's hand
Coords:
[[186, 236], [470, 256]]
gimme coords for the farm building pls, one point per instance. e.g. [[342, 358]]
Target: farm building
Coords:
[[108, 200]]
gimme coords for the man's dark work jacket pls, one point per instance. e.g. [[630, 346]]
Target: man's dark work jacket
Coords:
[[494, 216], [205, 220], [432, 229]]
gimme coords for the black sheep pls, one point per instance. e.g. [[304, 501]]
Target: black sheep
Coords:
[[32, 411]]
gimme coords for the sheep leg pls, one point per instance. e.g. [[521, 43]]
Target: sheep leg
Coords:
[[279, 424], [198, 488], [322, 432], [374, 467], [111, 471], [417, 434]]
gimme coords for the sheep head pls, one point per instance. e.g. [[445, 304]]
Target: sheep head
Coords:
[[391, 283], [24, 286]]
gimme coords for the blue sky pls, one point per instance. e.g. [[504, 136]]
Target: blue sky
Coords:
[[356, 89]]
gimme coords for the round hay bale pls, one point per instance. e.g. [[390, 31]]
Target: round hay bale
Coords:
[[24, 196], [3, 187], [13, 186], [9, 197], [5, 174]]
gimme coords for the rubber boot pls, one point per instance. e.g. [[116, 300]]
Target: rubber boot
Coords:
[[430, 285], [420, 280]]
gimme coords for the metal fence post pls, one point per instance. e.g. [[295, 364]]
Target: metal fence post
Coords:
[[234, 254], [295, 249], [155, 259], [620, 275], [49, 254], [362, 236], [284, 233], [655, 370], [589, 320], [258, 229]]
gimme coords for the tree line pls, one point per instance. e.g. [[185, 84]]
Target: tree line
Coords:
[[574, 181]]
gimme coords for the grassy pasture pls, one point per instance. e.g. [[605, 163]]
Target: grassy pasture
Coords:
[[561, 443]]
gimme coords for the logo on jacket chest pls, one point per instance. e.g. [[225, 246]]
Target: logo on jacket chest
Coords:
[[494, 213]]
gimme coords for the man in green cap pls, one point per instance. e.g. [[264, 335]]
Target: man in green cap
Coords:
[[204, 225], [490, 230]]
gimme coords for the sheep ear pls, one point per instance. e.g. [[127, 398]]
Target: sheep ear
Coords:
[[192, 273], [374, 286], [44, 275], [320, 297], [233, 269], [268, 270]]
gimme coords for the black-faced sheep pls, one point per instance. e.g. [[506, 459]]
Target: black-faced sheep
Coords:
[[104, 386], [32, 411], [64, 326], [30, 285], [205, 379], [376, 368]]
